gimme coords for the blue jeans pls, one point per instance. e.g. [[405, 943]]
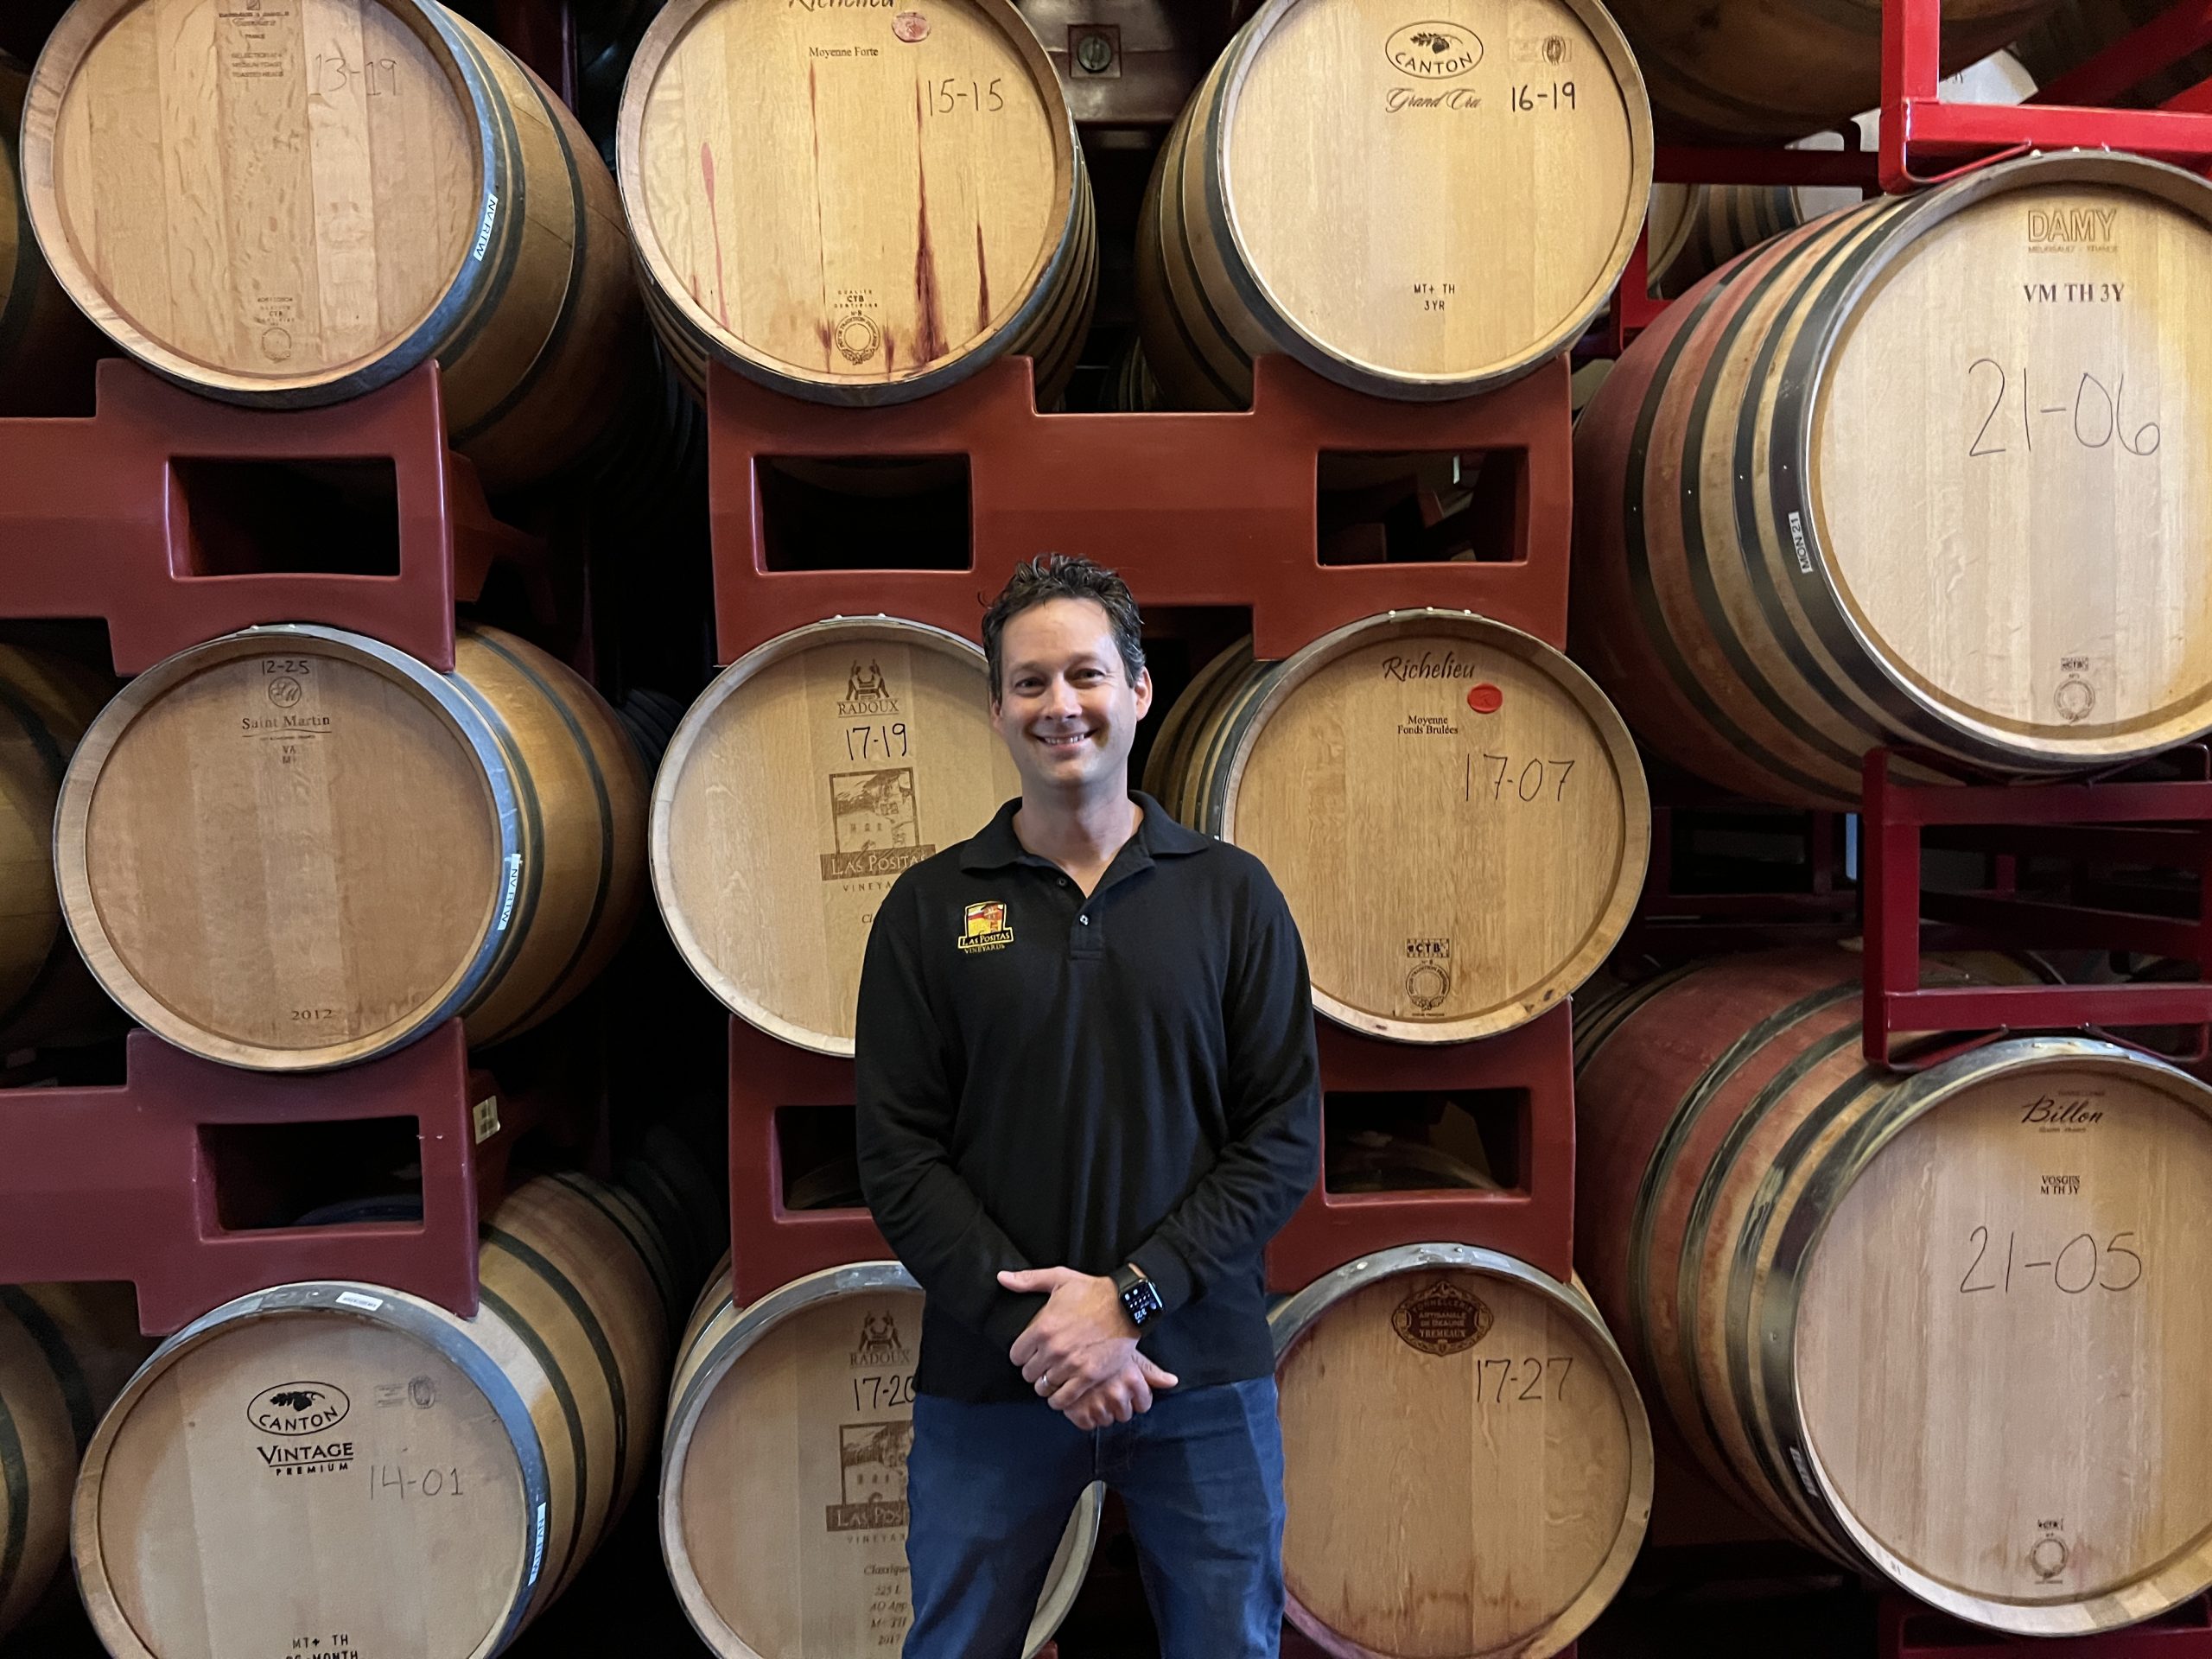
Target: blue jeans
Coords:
[[990, 1488]]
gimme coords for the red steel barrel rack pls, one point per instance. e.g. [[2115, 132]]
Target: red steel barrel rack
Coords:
[[117, 1183], [1194, 510]]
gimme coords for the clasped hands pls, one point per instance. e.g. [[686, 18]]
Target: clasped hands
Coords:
[[1080, 1353]]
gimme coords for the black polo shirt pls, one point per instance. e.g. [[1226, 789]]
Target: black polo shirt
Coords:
[[1049, 1080]]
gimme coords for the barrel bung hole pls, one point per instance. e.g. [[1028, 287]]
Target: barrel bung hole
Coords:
[[877, 512], [1403, 508], [277, 1175], [285, 517], [1423, 1140]]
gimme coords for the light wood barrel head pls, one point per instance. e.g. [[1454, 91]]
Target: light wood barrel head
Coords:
[[285, 849], [847, 198], [299, 1476], [1402, 212], [1467, 1464], [263, 200], [784, 1494], [2002, 1341], [1455, 813], [805, 780], [2010, 474]]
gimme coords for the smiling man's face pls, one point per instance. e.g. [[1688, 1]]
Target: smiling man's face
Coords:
[[1066, 706]]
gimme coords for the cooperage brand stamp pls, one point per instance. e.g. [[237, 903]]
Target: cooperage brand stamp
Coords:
[[1441, 1319], [1433, 51]]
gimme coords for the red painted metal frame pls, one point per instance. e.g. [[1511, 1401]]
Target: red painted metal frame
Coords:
[[1893, 815], [1909, 1630], [1193, 510], [92, 523], [1215, 509], [115, 1183]]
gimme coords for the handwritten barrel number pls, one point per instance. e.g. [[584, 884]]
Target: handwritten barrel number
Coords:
[[1527, 783], [2098, 413], [335, 76], [882, 1392], [431, 1482], [2075, 1269], [875, 742], [1533, 95], [949, 96], [1514, 1386]]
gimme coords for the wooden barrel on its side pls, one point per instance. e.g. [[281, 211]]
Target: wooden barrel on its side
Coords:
[[2077, 30], [424, 1483], [1897, 479], [799, 1406], [65, 1351], [802, 781], [1738, 71], [1947, 1325], [47, 347], [1334, 190], [1454, 812], [856, 206], [1466, 1462], [47, 700], [362, 847], [358, 196]]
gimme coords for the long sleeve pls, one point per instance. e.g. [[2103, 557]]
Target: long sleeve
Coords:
[[1274, 1099], [908, 1092]]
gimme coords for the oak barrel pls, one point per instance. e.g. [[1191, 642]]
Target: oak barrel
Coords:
[[296, 848], [2076, 30], [47, 347], [802, 1406], [1418, 210], [47, 700], [810, 774], [1947, 1325], [65, 1352], [1454, 811], [1466, 1463], [853, 204], [1928, 472], [293, 205], [345, 1458], [1737, 71]]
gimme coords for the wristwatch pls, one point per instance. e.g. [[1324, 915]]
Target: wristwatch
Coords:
[[1138, 1294]]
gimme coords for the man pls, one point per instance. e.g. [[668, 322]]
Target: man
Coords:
[[1088, 1097]]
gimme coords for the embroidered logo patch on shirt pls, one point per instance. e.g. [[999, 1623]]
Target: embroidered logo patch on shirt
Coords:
[[983, 927]]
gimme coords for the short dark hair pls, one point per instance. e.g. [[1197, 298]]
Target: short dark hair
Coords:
[[1057, 575]]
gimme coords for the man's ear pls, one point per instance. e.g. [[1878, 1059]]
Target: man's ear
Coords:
[[1143, 690]]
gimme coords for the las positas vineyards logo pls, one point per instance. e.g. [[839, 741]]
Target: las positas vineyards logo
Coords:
[[300, 1419], [984, 927], [1433, 51]]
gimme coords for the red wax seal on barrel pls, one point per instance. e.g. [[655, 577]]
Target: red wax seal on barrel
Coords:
[[1485, 698], [910, 27]]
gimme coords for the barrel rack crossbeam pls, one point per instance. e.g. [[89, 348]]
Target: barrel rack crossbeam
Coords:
[[1909, 1630], [1193, 510], [1923, 134], [2171, 821]]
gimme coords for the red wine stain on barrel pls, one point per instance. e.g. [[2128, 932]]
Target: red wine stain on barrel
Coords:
[[929, 336], [982, 284]]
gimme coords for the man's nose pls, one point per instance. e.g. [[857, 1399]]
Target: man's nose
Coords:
[[1061, 702]]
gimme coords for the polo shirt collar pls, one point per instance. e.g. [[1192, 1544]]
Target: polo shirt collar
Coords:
[[995, 845]]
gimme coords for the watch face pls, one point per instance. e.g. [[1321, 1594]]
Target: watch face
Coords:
[[1142, 1299]]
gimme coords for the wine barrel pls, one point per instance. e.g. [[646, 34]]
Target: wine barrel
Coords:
[[47, 347], [1926, 472], [804, 780], [856, 206], [1737, 71], [1947, 1325], [282, 210], [65, 1352], [1697, 228], [296, 848], [1466, 1462], [1416, 210], [1454, 812], [801, 1406], [46, 702], [2076, 30], [346, 1457]]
